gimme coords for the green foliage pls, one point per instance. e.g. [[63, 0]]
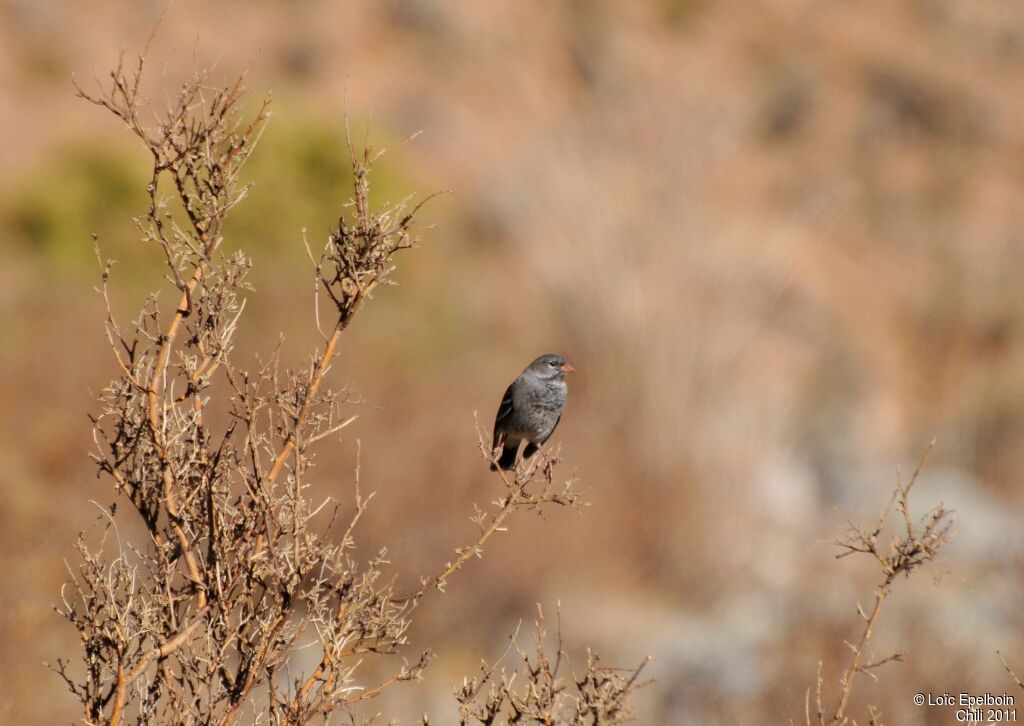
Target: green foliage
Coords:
[[300, 176], [84, 188]]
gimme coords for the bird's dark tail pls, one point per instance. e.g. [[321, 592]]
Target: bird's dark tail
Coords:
[[507, 460]]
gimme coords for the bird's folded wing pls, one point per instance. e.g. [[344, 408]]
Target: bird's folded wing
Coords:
[[504, 411]]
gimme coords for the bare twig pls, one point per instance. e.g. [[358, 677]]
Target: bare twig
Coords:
[[915, 544], [1013, 674]]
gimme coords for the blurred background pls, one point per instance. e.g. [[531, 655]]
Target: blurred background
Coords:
[[780, 241]]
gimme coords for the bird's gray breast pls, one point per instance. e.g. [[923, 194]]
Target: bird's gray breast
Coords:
[[537, 406]]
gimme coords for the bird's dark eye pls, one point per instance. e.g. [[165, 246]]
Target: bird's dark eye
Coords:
[[553, 363]]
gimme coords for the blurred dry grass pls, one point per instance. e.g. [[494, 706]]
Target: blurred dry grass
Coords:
[[780, 241]]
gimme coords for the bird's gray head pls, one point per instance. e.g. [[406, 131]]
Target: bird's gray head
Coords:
[[550, 367]]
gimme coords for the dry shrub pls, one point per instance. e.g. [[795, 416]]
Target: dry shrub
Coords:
[[241, 600]]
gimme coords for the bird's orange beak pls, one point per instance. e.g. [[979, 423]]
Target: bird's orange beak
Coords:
[[567, 368]]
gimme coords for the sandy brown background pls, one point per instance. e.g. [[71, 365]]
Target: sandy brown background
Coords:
[[780, 241]]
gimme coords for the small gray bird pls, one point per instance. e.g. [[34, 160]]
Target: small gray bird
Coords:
[[531, 409]]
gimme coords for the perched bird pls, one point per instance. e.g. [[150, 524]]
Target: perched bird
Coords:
[[530, 409]]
